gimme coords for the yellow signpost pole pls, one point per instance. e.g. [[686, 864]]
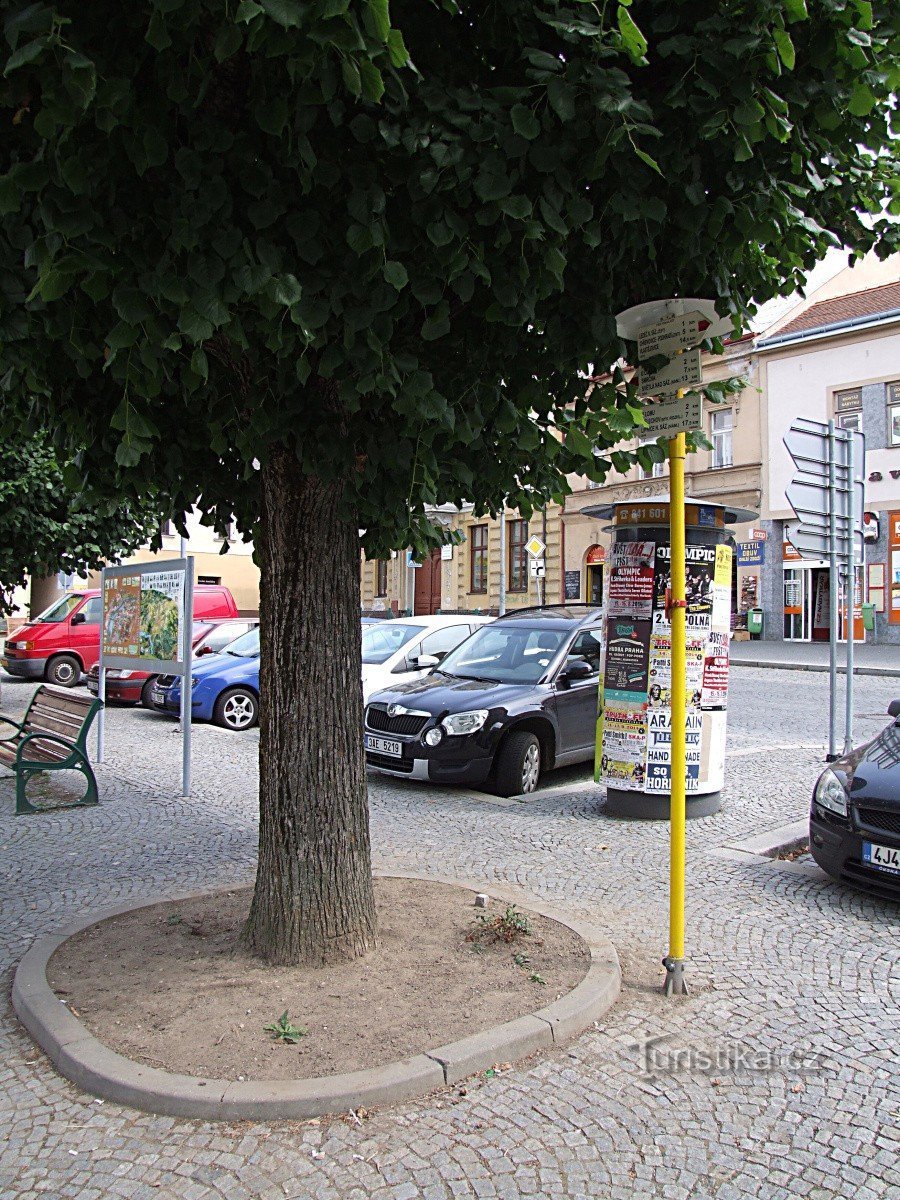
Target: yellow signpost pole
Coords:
[[674, 961]]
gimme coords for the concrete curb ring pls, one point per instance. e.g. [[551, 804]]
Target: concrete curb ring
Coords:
[[87, 1062]]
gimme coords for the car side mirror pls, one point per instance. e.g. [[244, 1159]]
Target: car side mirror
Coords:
[[78, 619], [427, 662], [894, 709], [575, 672], [203, 650]]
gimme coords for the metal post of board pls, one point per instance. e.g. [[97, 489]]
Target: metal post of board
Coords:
[[832, 594], [674, 960], [101, 686], [501, 607], [850, 593], [186, 682]]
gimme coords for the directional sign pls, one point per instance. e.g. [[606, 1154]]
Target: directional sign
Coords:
[[822, 491], [671, 333], [667, 417], [535, 546], [681, 371], [538, 568]]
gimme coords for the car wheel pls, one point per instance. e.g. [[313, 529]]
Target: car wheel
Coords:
[[236, 709], [145, 693], [64, 670], [518, 765]]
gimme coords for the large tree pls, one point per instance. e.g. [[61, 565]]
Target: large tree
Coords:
[[321, 264], [47, 527]]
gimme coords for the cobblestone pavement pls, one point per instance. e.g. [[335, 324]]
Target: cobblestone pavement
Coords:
[[795, 974]]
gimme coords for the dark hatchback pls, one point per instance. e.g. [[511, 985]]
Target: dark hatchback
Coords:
[[854, 822], [515, 699]]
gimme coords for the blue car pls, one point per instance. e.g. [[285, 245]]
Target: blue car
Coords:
[[225, 686]]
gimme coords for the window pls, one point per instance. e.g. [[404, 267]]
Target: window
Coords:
[[381, 582], [517, 573], [479, 562], [223, 635], [93, 611], [442, 641], [229, 532], [893, 414], [588, 648], [848, 409], [655, 471], [166, 528], [721, 424]]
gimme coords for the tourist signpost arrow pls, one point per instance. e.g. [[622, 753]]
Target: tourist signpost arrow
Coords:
[[828, 495], [683, 370]]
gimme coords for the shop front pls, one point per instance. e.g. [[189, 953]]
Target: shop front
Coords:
[[807, 611], [594, 562]]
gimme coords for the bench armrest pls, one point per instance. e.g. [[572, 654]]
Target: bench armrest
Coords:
[[45, 737]]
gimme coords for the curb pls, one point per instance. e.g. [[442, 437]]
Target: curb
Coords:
[[87, 1062], [769, 664]]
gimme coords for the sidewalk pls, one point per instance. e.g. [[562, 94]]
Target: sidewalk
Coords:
[[813, 656]]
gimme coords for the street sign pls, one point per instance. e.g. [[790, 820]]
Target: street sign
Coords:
[[538, 568], [681, 371], [671, 416], [535, 546], [671, 333], [410, 560]]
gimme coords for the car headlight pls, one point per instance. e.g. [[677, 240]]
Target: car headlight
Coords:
[[831, 794], [115, 673], [466, 722], [433, 736]]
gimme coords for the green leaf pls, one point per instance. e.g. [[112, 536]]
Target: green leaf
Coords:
[[796, 10], [578, 442], [634, 41], [395, 274], [519, 207], [286, 290], [286, 13], [192, 325], [438, 324], [24, 55], [200, 363], [785, 47], [862, 100], [381, 18], [397, 50], [157, 35], [372, 81], [247, 10], [351, 77], [524, 122], [561, 98], [646, 158]]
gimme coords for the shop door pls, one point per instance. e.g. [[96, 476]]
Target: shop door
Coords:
[[859, 632], [797, 605], [428, 586], [595, 584]]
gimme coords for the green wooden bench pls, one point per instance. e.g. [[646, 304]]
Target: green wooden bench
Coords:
[[52, 737]]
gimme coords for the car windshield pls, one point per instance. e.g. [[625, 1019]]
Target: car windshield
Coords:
[[246, 646], [60, 609], [379, 642], [505, 654]]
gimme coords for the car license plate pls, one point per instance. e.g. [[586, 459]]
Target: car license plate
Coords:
[[93, 687], [884, 858], [379, 745], [156, 696]]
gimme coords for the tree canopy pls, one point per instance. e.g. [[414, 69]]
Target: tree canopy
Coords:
[[45, 527], [397, 237]]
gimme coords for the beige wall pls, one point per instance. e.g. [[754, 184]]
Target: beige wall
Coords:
[[456, 590]]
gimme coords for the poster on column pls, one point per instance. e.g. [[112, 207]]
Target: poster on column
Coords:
[[715, 671], [658, 776], [659, 673], [631, 580], [624, 742], [627, 653], [699, 572]]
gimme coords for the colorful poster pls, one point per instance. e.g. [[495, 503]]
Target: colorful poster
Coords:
[[142, 615], [659, 674], [658, 777], [631, 580], [627, 653], [624, 741], [715, 671], [700, 566]]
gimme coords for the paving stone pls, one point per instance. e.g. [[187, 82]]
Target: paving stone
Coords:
[[774, 956]]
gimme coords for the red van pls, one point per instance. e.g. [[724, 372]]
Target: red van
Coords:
[[64, 641]]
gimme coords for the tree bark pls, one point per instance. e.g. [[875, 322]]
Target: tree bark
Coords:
[[313, 901]]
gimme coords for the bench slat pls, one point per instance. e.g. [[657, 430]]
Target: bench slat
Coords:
[[67, 704], [50, 723]]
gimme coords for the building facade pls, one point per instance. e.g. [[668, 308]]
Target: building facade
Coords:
[[838, 359]]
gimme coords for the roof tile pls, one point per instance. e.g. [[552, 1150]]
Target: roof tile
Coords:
[[872, 302]]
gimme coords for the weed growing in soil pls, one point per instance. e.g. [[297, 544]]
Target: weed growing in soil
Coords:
[[521, 960], [534, 977], [283, 1031], [505, 926]]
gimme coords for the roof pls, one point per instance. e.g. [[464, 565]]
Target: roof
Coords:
[[573, 612], [856, 306]]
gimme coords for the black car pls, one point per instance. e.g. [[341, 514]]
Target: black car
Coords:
[[854, 822], [516, 698]]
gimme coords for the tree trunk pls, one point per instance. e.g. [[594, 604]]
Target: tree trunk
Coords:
[[313, 901]]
